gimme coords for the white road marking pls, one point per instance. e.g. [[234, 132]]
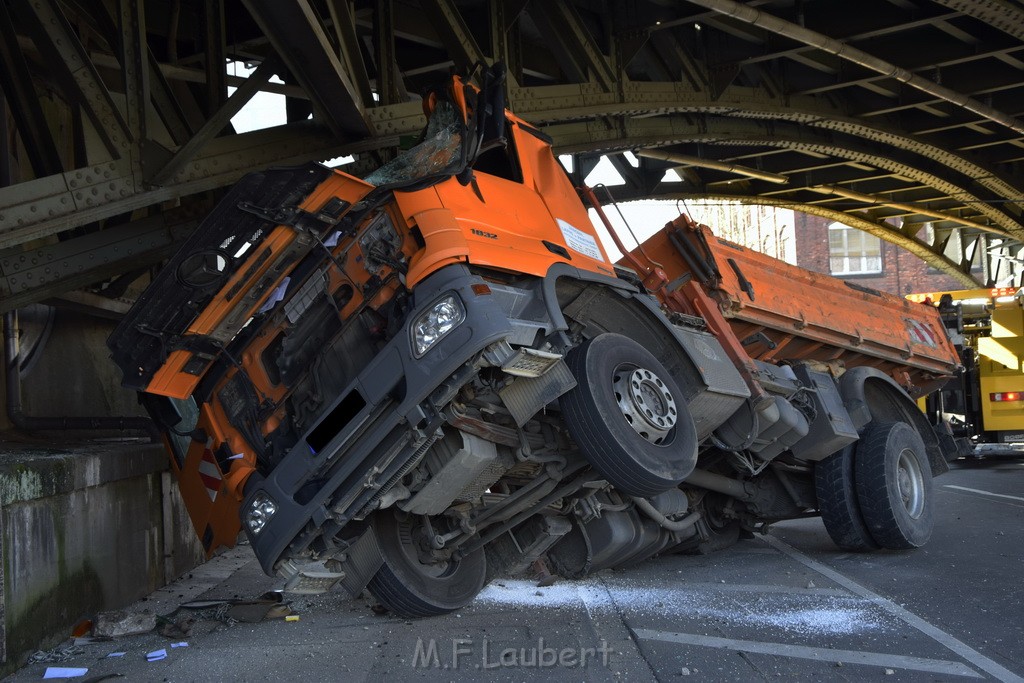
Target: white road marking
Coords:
[[984, 493], [616, 633], [821, 654], [960, 648]]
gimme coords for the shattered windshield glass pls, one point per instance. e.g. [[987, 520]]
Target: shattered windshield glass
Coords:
[[437, 154]]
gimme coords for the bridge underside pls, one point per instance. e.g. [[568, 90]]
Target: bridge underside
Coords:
[[898, 117]]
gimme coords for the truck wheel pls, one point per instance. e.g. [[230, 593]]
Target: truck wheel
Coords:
[[894, 485], [628, 416], [411, 582], [838, 504]]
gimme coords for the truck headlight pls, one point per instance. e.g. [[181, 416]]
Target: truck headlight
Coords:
[[261, 509], [436, 322]]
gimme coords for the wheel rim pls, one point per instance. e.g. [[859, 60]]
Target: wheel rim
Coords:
[[910, 482], [645, 402], [412, 543]]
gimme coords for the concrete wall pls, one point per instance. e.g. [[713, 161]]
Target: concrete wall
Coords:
[[84, 529]]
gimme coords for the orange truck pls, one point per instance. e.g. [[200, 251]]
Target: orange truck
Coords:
[[420, 380]]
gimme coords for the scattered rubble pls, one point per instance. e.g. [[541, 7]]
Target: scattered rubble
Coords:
[[120, 623]]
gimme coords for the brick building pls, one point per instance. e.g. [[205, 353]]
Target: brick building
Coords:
[[828, 247]]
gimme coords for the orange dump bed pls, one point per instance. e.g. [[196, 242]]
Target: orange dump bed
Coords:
[[805, 315]]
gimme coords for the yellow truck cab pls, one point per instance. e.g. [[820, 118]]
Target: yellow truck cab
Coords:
[[984, 404]]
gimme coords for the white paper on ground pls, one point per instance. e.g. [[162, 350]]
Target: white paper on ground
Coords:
[[64, 672]]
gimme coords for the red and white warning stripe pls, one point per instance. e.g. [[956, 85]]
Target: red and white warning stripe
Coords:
[[921, 333], [209, 472]]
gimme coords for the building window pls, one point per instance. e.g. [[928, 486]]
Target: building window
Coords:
[[852, 251]]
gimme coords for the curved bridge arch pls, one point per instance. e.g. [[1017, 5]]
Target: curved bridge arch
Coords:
[[118, 135]]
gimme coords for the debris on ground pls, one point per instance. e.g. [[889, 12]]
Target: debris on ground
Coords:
[[180, 623], [61, 653], [119, 623], [91, 640], [81, 628], [179, 628], [254, 611], [202, 604], [542, 573]]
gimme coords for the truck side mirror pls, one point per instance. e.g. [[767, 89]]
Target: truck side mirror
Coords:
[[491, 109]]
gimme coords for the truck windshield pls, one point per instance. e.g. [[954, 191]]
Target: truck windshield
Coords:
[[438, 154]]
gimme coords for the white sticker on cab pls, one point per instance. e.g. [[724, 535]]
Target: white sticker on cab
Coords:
[[579, 241]]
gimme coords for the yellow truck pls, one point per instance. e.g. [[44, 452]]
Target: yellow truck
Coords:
[[984, 405]]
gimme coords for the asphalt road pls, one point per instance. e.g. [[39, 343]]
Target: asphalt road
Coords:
[[786, 607]]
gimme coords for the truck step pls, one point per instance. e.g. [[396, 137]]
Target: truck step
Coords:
[[528, 362], [313, 583]]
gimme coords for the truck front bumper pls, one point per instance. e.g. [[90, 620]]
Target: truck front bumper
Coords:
[[364, 437]]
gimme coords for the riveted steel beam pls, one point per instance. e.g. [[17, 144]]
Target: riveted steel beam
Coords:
[[70, 62], [888, 29], [505, 43], [461, 45], [134, 64], [389, 81], [95, 14], [574, 44], [560, 103], [215, 60], [907, 208], [344, 20], [1004, 15], [861, 58], [19, 91], [933, 158], [934, 252], [218, 120], [967, 57], [675, 129], [868, 224], [297, 34], [32, 275], [54, 204]]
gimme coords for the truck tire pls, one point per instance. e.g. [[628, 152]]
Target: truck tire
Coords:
[[628, 416], [412, 588], [838, 503], [894, 485]]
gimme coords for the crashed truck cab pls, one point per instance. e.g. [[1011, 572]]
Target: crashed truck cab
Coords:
[[434, 375], [291, 291]]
